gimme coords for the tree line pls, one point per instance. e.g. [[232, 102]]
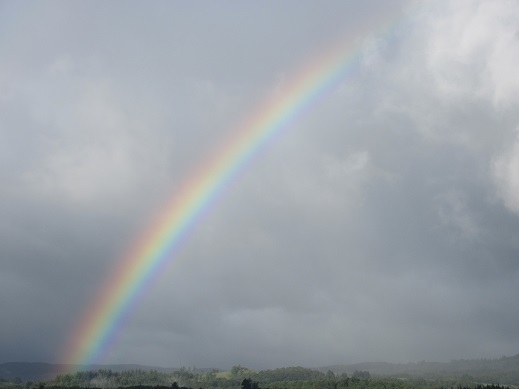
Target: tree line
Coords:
[[240, 378]]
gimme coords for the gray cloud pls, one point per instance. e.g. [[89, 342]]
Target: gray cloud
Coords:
[[381, 225]]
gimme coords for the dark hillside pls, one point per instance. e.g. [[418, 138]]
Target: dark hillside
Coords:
[[504, 370], [36, 371]]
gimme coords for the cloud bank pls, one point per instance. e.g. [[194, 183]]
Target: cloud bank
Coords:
[[381, 226]]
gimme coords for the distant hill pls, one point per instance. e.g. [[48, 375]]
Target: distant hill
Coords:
[[27, 371], [36, 371], [504, 370]]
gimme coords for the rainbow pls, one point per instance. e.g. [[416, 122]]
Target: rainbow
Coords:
[[154, 250]]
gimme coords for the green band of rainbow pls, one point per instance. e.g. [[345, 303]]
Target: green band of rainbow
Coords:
[[156, 248]]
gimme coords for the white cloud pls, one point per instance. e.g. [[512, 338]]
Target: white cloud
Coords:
[[90, 151], [472, 50], [506, 170], [340, 168]]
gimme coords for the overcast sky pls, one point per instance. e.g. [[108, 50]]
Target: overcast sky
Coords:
[[382, 225]]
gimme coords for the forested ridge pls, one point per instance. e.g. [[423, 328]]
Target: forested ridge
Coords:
[[458, 374], [241, 378]]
